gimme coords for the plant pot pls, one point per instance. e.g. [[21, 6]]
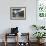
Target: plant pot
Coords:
[[40, 41]]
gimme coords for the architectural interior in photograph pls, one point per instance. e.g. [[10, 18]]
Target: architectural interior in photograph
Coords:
[[22, 22]]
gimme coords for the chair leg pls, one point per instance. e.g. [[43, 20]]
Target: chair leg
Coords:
[[5, 43]]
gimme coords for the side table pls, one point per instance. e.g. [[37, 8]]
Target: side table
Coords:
[[8, 34]]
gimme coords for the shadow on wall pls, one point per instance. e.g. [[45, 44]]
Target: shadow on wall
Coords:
[[7, 31]]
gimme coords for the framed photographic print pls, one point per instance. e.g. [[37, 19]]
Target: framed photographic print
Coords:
[[41, 8], [18, 13], [41, 12]]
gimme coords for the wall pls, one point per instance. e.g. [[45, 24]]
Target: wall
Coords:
[[24, 25]]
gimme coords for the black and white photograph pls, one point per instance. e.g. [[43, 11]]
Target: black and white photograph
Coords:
[[17, 13]]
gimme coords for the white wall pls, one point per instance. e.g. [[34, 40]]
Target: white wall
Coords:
[[24, 25]]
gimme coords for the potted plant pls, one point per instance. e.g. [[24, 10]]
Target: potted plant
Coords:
[[39, 35], [38, 27]]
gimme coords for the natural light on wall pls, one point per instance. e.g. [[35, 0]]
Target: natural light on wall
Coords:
[[41, 9]]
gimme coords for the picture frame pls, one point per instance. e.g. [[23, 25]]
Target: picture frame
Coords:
[[18, 13], [41, 12]]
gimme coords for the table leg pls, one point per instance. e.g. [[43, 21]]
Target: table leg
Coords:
[[5, 40]]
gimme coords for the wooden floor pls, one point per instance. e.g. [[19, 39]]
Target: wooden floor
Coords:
[[13, 44]]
